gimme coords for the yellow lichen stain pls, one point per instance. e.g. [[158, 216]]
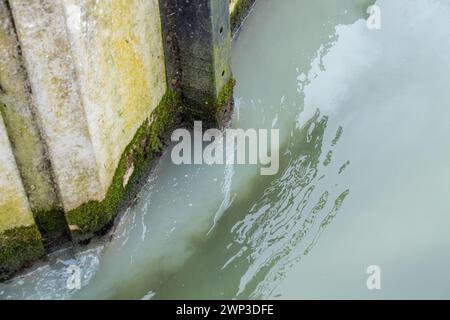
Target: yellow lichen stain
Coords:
[[129, 74], [13, 211], [29, 156], [15, 104], [129, 66]]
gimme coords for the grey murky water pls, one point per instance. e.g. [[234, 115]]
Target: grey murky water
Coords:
[[364, 178]]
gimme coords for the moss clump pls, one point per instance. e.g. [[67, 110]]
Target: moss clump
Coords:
[[93, 216], [214, 112], [224, 103], [240, 11], [52, 225], [19, 247], [226, 95]]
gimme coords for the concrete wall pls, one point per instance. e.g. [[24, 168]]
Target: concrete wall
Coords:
[[20, 242], [49, 60], [14, 208], [77, 80], [239, 9], [84, 101], [96, 70], [17, 108], [198, 54], [117, 47]]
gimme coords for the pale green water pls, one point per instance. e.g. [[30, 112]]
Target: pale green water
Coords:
[[364, 176]]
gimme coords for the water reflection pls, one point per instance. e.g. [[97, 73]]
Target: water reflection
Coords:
[[292, 212], [227, 232]]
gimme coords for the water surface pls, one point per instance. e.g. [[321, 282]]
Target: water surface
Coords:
[[363, 180]]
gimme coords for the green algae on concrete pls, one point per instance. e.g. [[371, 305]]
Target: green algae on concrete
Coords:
[[53, 227], [20, 240], [92, 217], [226, 95], [48, 56], [19, 247], [16, 107], [198, 50], [221, 44], [118, 50], [14, 207], [91, 91], [238, 11], [213, 113]]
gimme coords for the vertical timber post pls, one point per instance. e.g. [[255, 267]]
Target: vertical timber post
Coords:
[[197, 40]]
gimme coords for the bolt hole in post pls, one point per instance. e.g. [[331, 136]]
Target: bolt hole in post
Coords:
[[221, 30], [223, 73]]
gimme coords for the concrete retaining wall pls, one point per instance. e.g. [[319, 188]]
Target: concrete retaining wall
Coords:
[[198, 55], [20, 242], [117, 47], [77, 80], [84, 103], [239, 9]]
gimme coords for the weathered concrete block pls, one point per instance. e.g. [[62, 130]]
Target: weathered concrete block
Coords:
[[20, 240], [198, 50], [85, 101], [118, 50], [17, 108], [41, 29], [97, 72], [239, 9]]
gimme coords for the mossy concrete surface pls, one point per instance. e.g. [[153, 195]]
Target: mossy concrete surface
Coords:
[[85, 106], [20, 241], [198, 46], [19, 247], [50, 64], [214, 113], [118, 49], [14, 208], [16, 107], [92, 217], [239, 9]]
